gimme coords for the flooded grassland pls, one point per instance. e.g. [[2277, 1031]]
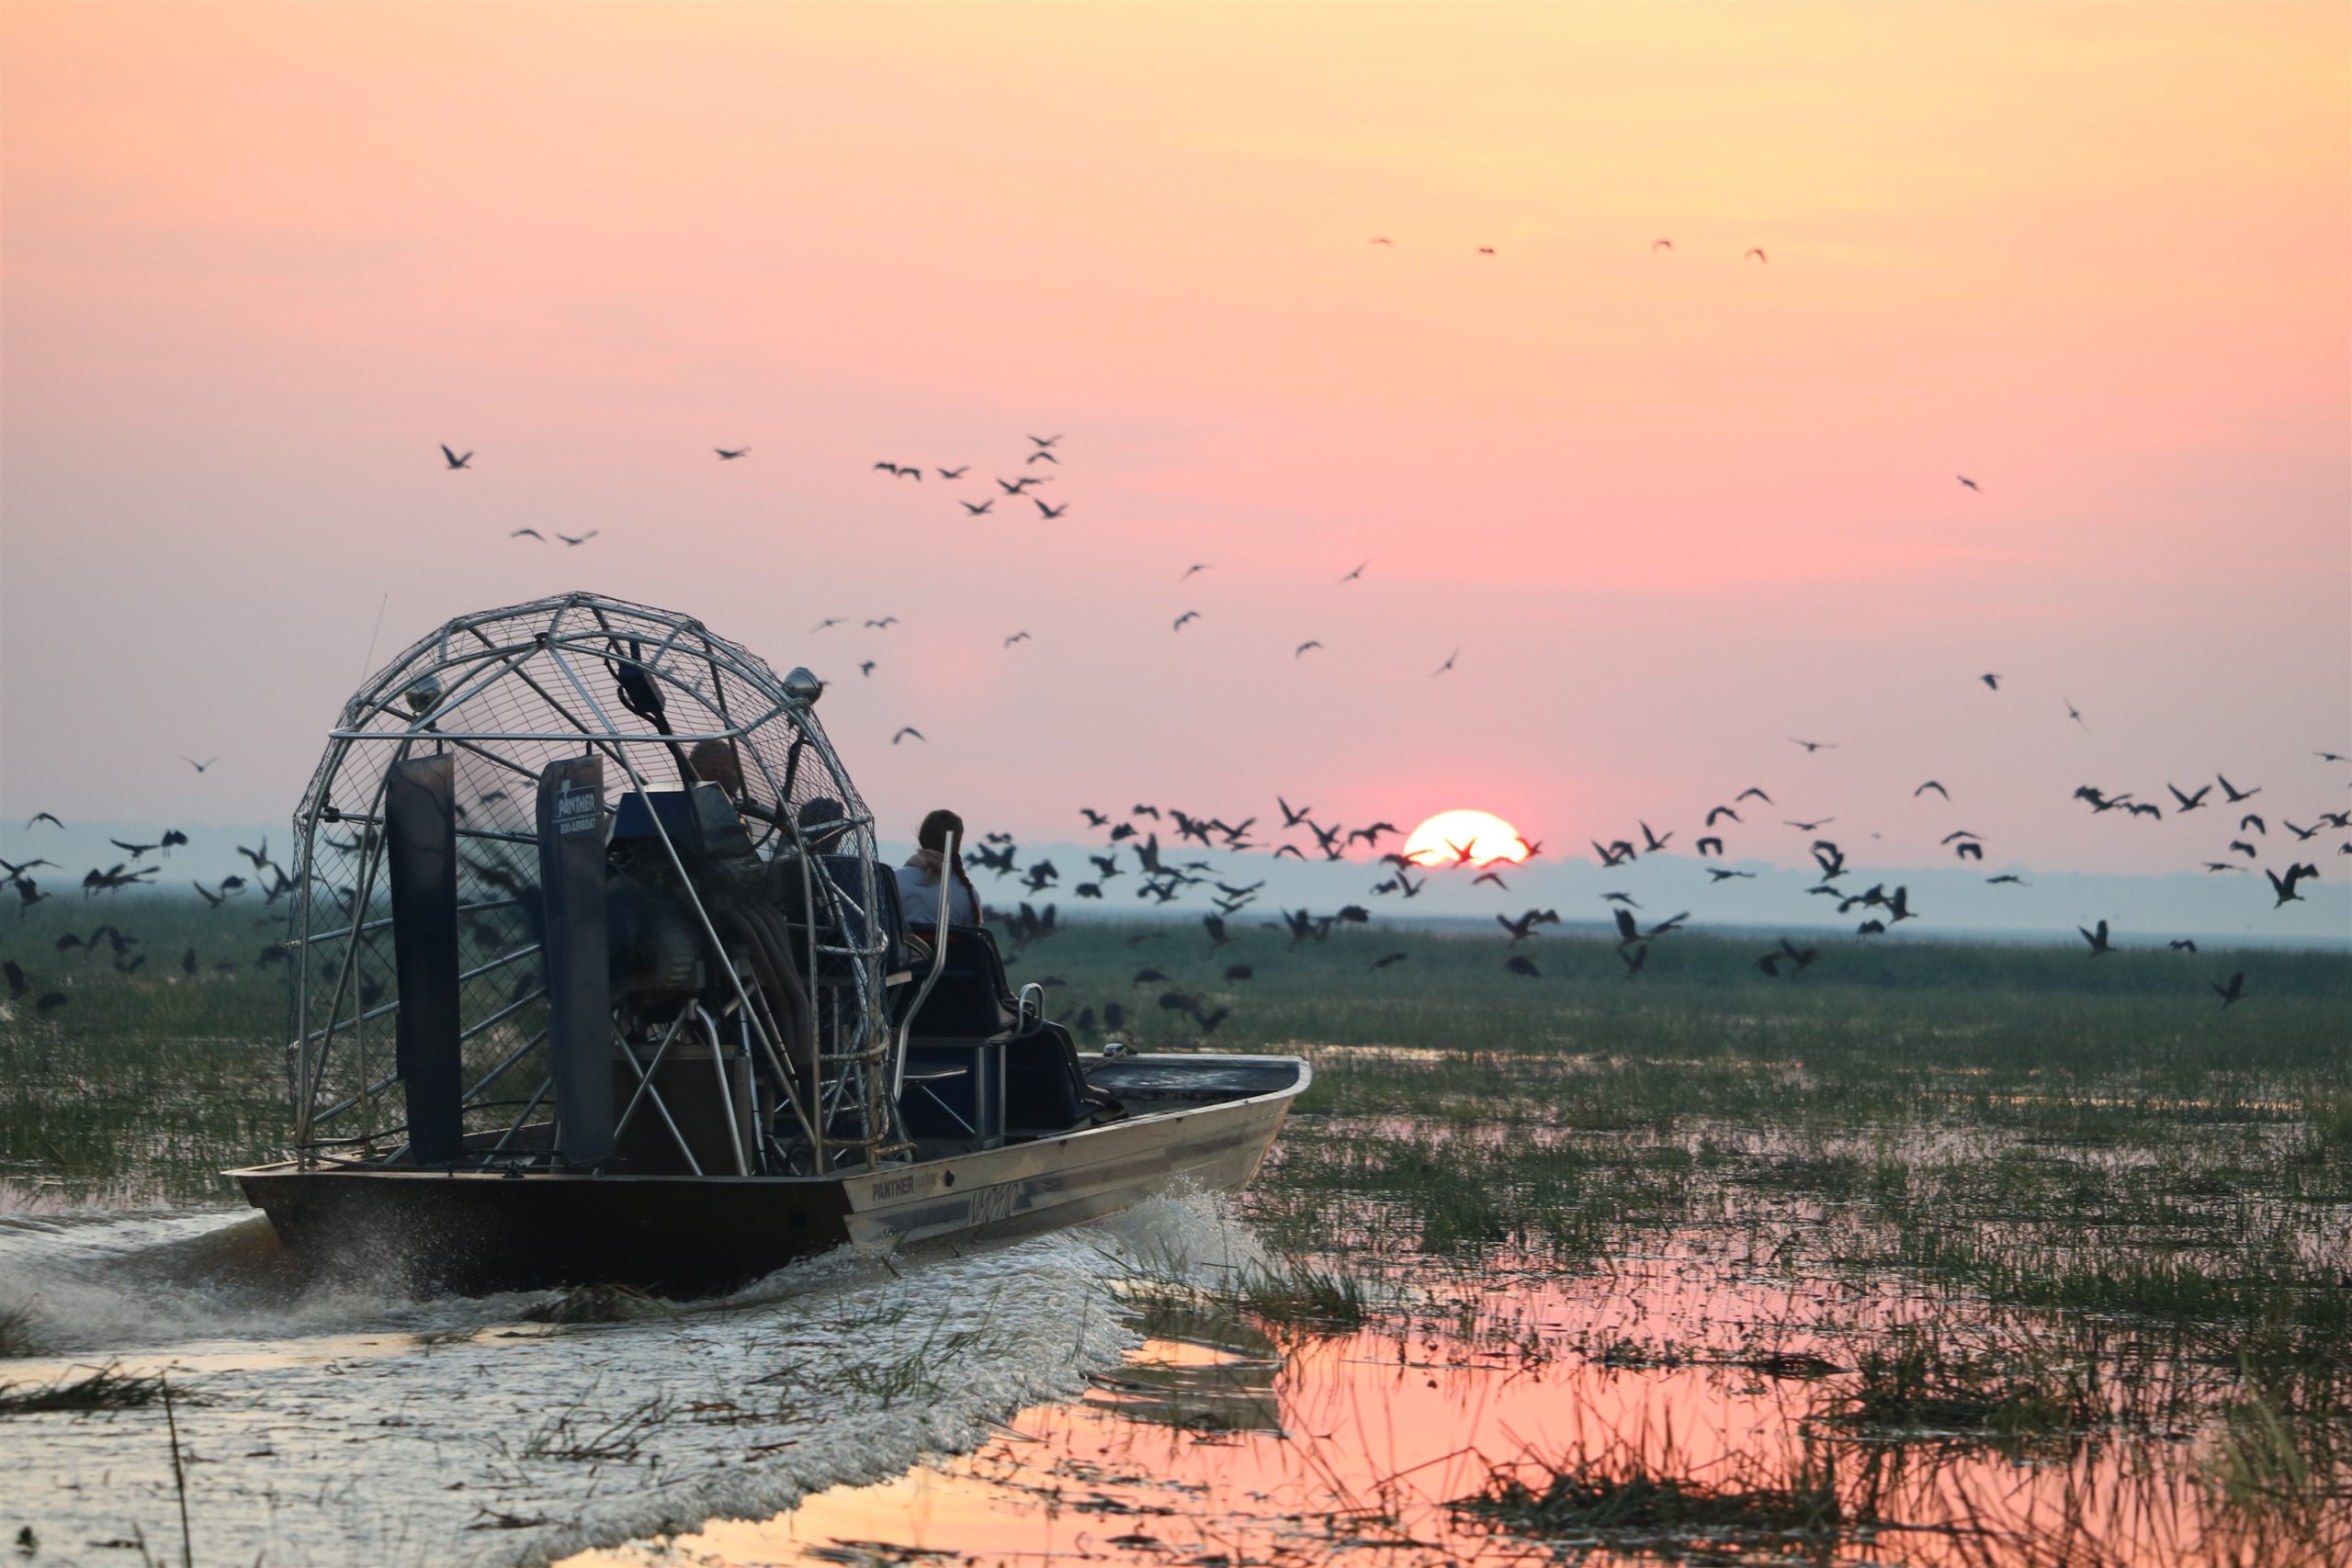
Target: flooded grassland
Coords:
[[1902, 1262]]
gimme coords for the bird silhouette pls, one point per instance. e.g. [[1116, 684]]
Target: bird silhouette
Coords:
[[1751, 790], [2253, 821], [2182, 944], [1355, 574], [1198, 566], [1046, 440], [1187, 615], [884, 625], [1447, 665], [2235, 793], [2235, 991], [1721, 811], [1043, 458], [1380, 239], [1016, 636], [1758, 251], [1486, 250], [2074, 714], [1970, 483], [2284, 886], [571, 539], [1812, 746], [865, 667], [1992, 682], [1633, 960], [2096, 937], [906, 731], [1931, 784], [2189, 802], [1708, 846], [1303, 646], [727, 454], [528, 533], [1661, 244], [978, 508], [454, 460], [1049, 512], [38, 817], [951, 473]]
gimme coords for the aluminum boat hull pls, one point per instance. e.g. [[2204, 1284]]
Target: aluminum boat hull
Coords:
[[1204, 1120]]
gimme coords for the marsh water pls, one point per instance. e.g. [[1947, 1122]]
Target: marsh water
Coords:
[[1708, 1274], [1108, 1393]]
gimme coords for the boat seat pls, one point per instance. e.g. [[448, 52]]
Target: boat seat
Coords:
[[969, 1000]]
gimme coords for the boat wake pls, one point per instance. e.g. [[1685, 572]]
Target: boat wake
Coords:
[[324, 1422]]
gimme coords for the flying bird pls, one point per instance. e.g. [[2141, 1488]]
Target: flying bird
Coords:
[[1355, 574], [1970, 483], [1380, 239], [2235, 793], [1043, 458], [1447, 665], [199, 767], [2189, 802], [40, 816], [1187, 615], [1661, 244], [727, 455], [2232, 992], [978, 508], [2074, 714], [1758, 251], [865, 668], [1016, 636], [2285, 886], [1049, 512], [1486, 250], [1812, 746], [2098, 939], [953, 473], [1994, 681], [1931, 784], [582, 539], [1303, 646], [1752, 790], [902, 734], [1046, 440], [528, 533], [1197, 566], [884, 625], [454, 460]]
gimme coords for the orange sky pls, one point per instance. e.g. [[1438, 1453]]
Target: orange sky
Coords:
[[258, 261]]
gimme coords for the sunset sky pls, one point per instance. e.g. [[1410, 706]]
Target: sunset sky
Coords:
[[1672, 507]]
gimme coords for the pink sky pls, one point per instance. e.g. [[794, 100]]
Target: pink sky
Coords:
[[1673, 508]]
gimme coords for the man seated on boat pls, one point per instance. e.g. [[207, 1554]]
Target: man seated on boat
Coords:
[[918, 879]]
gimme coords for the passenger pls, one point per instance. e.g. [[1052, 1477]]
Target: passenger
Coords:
[[822, 822], [918, 879], [714, 762]]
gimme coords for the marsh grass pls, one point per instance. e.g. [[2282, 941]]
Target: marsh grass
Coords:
[[1920, 1385], [105, 1388], [1652, 1499]]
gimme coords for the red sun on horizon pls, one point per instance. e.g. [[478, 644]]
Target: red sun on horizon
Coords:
[[1442, 839]]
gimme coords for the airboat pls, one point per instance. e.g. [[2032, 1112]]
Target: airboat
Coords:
[[596, 978]]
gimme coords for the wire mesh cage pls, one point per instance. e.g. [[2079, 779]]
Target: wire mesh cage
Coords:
[[742, 978]]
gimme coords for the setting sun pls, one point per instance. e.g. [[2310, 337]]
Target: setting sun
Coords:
[[1442, 840]]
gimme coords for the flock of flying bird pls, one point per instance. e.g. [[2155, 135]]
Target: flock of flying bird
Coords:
[[269, 879], [1163, 877]]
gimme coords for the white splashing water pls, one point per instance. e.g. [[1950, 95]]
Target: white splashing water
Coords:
[[345, 1424]]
